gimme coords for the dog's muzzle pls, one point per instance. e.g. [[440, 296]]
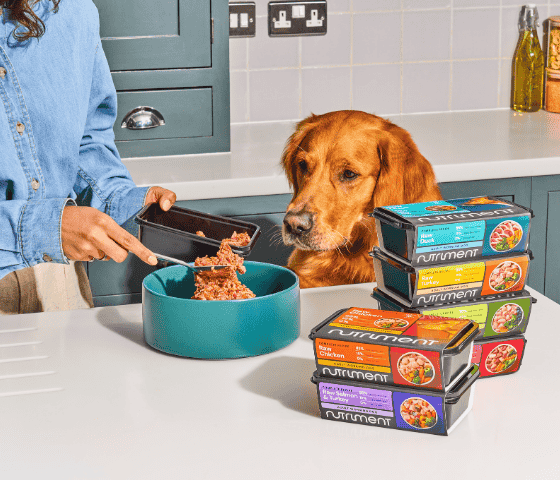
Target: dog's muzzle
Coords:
[[298, 224]]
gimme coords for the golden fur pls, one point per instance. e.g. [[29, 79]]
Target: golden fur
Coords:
[[341, 165]]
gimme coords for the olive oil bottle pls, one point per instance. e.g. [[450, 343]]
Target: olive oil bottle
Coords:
[[528, 64]]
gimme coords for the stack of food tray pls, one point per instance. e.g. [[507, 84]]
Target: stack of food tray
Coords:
[[406, 371], [462, 258]]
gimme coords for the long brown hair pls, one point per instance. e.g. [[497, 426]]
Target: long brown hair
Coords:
[[21, 11]]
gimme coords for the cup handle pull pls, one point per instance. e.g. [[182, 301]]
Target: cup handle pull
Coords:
[[142, 118]]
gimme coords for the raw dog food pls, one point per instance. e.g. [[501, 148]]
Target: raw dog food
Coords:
[[441, 208], [416, 368], [505, 276], [484, 201], [506, 236], [418, 413], [507, 318], [223, 284], [501, 358]]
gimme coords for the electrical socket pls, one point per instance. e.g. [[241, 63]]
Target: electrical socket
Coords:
[[242, 19], [297, 18]]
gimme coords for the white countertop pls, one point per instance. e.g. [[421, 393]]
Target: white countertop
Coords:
[[461, 146], [82, 396]]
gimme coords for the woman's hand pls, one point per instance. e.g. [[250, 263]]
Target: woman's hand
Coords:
[[88, 233], [164, 197]]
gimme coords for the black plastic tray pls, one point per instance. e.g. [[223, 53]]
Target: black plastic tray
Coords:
[[523, 299], [451, 405], [173, 233]]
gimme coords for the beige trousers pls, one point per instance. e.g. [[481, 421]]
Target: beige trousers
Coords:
[[45, 287]]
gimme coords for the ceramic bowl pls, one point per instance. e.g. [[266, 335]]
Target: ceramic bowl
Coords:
[[221, 329]]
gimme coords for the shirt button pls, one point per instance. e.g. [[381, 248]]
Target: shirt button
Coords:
[[35, 184], [47, 258], [20, 128], [2, 72]]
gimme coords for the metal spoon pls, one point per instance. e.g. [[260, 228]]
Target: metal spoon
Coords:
[[191, 267]]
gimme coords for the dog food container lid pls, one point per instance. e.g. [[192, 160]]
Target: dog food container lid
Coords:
[[174, 233], [419, 286], [398, 407], [393, 348], [499, 356], [496, 316], [445, 231]]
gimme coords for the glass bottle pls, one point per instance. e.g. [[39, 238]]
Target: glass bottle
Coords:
[[528, 64]]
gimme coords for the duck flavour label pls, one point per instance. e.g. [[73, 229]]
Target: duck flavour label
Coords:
[[390, 347], [453, 230]]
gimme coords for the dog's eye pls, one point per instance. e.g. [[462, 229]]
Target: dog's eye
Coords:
[[349, 174], [303, 166]]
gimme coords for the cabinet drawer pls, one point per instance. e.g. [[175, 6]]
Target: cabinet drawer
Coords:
[[187, 113]]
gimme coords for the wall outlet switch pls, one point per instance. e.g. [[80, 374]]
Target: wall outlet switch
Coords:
[[242, 19], [297, 18]]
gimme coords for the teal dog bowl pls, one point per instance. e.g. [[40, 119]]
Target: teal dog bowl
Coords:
[[220, 329]]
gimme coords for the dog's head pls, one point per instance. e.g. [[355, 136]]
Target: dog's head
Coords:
[[341, 165]]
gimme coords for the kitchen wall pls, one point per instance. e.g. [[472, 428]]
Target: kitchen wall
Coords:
[[381, 56]]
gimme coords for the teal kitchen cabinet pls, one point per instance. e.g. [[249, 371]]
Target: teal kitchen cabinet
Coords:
[[545, 236], [517, 190], [173, 57]]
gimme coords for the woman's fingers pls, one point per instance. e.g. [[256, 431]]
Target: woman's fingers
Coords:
[[124, 241], [165, 198], [88, 233]]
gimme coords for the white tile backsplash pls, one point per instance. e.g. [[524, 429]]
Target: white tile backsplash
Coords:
[[426, 35], [423, 4], [475, 33], [273, 95], [381, 56], [272, 52], [475, 84], [376, 38], [377, 89], [375, 5], [331, 49], [325, 90], [425, 87]]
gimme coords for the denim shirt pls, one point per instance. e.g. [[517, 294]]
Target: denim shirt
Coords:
[[57, 109]]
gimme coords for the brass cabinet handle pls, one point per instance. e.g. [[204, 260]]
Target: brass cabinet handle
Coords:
[[142, 118]]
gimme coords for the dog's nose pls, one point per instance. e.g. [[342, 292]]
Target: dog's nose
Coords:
[[298, 223]]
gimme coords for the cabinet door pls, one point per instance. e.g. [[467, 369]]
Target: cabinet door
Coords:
[[545, 235], [155, 34], [517, 190]]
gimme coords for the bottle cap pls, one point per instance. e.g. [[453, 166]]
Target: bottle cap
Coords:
[[528, 17]]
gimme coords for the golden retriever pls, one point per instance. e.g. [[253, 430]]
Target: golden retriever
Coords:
[[341, 165]]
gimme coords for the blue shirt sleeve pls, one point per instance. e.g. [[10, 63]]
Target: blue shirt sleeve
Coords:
[[103, 181], [36, 233]]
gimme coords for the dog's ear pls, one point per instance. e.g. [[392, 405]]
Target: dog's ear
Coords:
[[405, 176], [292, 147]]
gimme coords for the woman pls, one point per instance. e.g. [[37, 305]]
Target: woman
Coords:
[[64, 192]]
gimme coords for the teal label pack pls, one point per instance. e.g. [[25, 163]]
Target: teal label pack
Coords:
[[449, 231]]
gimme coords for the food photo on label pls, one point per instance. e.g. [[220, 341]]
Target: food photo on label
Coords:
[[495, 315], [446, 231], [415, 286], [420, 351], [497, 357]]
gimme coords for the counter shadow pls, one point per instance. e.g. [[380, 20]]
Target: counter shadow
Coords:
[[110, 318], [287, 380]]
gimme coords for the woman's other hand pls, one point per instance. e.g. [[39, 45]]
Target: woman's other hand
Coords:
[[165, 198], [88, 233]]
